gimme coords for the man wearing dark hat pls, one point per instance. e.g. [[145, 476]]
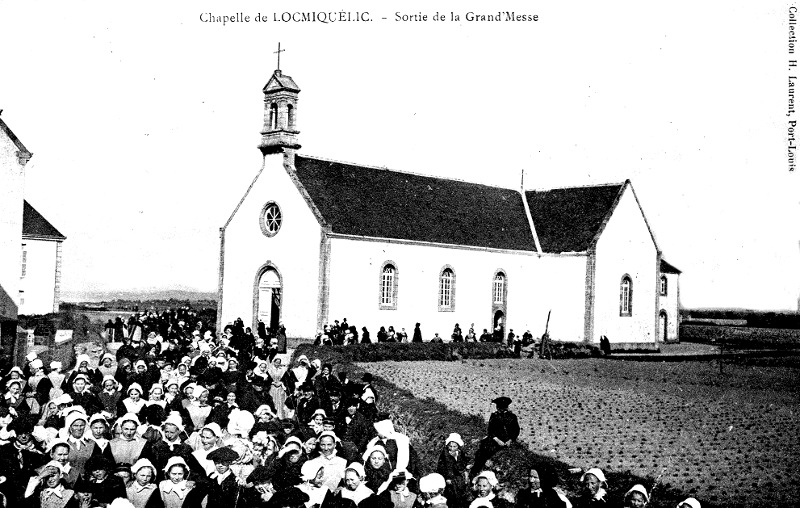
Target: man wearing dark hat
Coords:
[[223, 487], [326, 383], [334, 408], [367, 379], [348, 388], [100, 482], [346, 449], [502, 431], [357, 428], [254, 394], [262, 490], [307, 403], [290, 498], [19, 459], [290, 429]]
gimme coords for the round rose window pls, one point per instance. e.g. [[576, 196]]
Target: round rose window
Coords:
[[271, 219]]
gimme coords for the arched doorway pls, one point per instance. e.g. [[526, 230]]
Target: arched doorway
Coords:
[[268, 304], [662, 326], [498, 326]]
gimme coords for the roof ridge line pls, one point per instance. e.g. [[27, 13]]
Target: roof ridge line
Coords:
[[608, 184], [384, 168]]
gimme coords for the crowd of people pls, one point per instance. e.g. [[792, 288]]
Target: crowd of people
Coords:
[[339, 334], [343, 334], [180, 417]]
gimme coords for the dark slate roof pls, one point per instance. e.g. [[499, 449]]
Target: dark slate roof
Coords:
[[668, 268], [280, 81], [567, 220], [373, 202], [34, 224]]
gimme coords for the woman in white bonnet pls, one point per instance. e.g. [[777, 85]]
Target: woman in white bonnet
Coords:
[[452, 466], [593, 491], [431, 488], [57, 379], [689, 502], [107, 365], [303, 372], [484, 485], [13, 397], [37, 388], [82, 366], [279, 384], [636, 497], [143, 487], [354, 488]]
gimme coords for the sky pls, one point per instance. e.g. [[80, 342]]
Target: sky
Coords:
[[144, 121]]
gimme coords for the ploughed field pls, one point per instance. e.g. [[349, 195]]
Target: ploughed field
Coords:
[[730, 438]]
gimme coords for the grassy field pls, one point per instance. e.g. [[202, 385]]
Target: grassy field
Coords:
[[743, 336], [729, 439]]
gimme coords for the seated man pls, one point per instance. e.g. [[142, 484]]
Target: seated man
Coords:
[[502, 431]]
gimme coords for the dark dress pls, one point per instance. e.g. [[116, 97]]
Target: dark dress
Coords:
[[160, 452], [18, 466], [359, 431], [105, 491], [453, 470], [547, 498], [586, 502], [223, 494], [374, 478]]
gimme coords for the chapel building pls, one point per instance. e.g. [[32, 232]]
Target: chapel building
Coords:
[[313, 240], [30, 247]]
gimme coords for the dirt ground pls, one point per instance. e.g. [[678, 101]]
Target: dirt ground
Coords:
[[728, 437]]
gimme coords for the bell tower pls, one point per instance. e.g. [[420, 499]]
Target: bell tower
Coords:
[[280, 113]]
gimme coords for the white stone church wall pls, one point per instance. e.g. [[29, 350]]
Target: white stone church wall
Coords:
[[295, 252], [626, 247], [355, 289], [38, 285], [559, 289]]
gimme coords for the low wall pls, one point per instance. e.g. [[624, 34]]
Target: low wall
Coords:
[[635, 346]]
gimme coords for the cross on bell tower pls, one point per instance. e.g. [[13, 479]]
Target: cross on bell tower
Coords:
[[279, 55], [280, 112]]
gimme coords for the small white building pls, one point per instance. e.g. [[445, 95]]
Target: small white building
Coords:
[[313, 240], [669, 303], [40, 275], [13, 158]]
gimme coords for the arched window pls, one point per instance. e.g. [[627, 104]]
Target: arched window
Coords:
[[388, 286], [447, 290], [626, 296], [663, 285], [499, 288], [290, 116], [273, 116]]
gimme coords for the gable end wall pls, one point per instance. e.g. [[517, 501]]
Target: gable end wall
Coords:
[[626, 247], [294, 251]]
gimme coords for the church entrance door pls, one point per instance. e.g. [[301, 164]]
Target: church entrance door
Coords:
[[499, 329], [269, 299], [662, 326]]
